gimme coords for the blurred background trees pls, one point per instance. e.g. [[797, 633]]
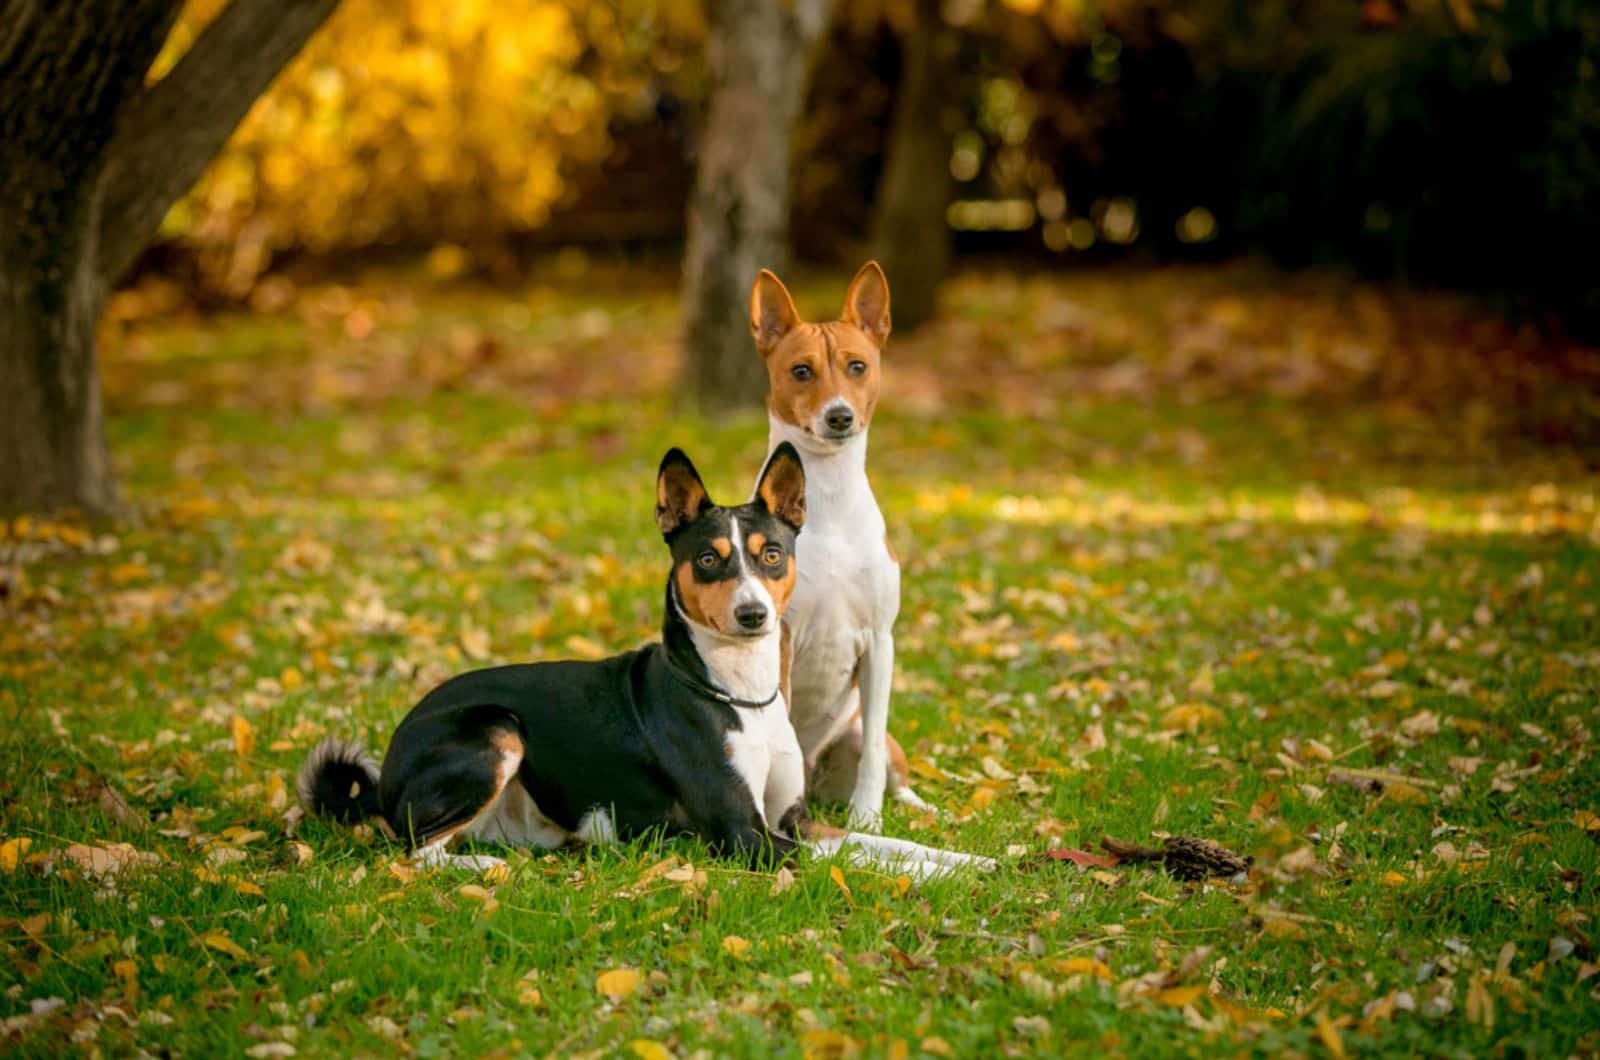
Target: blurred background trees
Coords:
[[1446, 141], [93, 154], [1452, 142]]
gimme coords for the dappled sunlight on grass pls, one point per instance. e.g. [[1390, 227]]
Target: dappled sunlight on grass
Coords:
[[1335, 638], [1542, 510]]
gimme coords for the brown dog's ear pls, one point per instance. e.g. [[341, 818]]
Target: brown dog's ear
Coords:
[[866, 304], [680, 495], [782, 488], [772, 314]]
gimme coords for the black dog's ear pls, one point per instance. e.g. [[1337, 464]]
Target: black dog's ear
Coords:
[[783, 486], [680, 495]]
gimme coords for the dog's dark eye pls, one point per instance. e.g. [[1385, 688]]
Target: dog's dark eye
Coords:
[[858, 367], [772, 555], [706, 559], [802, 373]]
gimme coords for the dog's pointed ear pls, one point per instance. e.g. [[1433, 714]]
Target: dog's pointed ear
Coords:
[[782, 488], [772, 313], [866, 304], [680, 495]]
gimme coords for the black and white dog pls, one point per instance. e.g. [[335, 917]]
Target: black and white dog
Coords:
[[691, 734]]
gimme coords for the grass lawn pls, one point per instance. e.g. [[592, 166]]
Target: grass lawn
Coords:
[[1198, 552]]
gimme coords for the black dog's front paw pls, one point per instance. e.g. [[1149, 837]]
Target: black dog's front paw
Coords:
[[766, 851]]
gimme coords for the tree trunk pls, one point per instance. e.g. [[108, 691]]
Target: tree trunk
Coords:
[[65, 71], [910, 235], [51, 427], [90, 162], [760, 52]]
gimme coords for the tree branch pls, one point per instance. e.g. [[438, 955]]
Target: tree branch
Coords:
[[173, 129]]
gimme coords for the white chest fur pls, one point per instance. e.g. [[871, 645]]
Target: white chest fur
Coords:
[[848, 589], [764, 751]]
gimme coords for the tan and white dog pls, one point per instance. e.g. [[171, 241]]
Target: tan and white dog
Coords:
[[823, 390]]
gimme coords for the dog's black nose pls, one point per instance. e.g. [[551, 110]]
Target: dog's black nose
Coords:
[[751, 616], [840, 419]]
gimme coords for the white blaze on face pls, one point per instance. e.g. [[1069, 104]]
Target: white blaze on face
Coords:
[[752, 588]]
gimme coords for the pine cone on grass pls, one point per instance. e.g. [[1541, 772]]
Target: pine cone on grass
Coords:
[[1184, 857]]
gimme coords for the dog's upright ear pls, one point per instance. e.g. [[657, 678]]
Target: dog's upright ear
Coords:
[[866, 304], [782, 488], [680, 495], [772, 312]]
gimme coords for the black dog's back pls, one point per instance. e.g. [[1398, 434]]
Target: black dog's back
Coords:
[[582, 744]]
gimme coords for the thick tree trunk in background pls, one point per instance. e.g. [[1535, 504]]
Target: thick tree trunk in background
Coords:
[[910, 236], [760, 52], [90, 162], [51, 427], [65, 71]]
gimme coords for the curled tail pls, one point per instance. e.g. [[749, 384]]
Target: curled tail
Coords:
[[339, 780]]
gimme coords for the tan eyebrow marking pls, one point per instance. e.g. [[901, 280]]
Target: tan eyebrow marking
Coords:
[[755, 542], [723, 547]]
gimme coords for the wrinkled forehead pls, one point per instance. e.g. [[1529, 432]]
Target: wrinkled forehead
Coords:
[[720, 529], [835, 340]]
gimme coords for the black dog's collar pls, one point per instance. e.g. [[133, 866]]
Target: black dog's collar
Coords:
[[690, 681], [693, 682]]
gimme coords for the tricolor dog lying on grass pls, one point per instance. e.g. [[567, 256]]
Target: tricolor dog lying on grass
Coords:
[[691, 734]]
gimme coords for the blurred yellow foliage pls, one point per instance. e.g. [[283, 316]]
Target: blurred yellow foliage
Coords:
[[403, 119]]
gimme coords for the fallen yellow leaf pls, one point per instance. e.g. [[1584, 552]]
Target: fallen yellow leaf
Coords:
[[12, 852], [1083, 966], [617, 983], [244, 736], [1282, 928], [584, 648], [817, 1044], [1330, 1035], [1587, 820], [1405, 794], [475, 643], [838, 880], [291, 679], [1179, 996], [218, 940], [277, 793], [1190, 717], [646, 1049], [475, 893], [735, 945]]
